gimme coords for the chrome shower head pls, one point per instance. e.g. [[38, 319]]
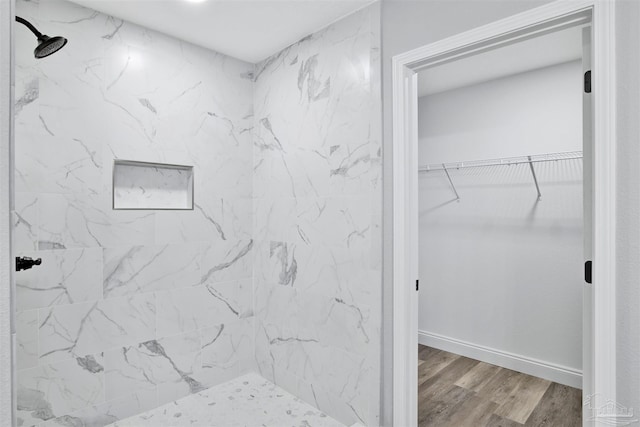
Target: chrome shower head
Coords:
[[46, 45]]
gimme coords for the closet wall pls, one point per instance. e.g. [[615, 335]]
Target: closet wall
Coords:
[[501, 271]]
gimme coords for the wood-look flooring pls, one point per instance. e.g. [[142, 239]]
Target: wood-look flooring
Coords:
[[457, 391]]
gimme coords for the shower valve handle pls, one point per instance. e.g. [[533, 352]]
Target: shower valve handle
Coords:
[[25, 263]]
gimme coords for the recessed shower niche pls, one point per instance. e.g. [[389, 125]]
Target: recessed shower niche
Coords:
[[144, 185]]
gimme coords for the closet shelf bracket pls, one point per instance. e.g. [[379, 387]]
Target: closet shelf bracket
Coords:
[[535, 178], [453, 187]]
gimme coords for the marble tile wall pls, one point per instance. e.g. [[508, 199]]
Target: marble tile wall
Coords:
[[129, 309], [132, 309], [317, 205]]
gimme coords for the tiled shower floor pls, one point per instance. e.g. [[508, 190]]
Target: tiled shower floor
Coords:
[[246, 401]]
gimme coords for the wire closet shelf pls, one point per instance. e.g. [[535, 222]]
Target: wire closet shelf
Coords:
[[507, 161]]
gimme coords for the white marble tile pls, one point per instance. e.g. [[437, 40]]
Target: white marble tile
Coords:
[[212, 220], [137, 92], [245, 401], [350, 412], [118, 90], [317, 186], [57, 389], [227, 260], [68, 221], [340, 169], [26, 339], [333, 271], [298, 172], [108, 412], [66, 276], [321, 340], [58, 148], [337, 221], [72, 79], [53, 157], [227, 350], [68, 331], [176, 104], [376, 255], [139, 269], [198, 307], [343, 411], [29, 128], [153, 364], [25, 222], [323, 84], [289, 315], [221, 150], [337, 373]]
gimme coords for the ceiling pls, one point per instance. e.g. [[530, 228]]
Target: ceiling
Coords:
[[250, 30], [551, 49]]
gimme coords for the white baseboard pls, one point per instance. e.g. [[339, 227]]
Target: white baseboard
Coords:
[[516, 362]]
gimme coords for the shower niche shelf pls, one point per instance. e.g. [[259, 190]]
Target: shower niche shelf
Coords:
[[144, 185]]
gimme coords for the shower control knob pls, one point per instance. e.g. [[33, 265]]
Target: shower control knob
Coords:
[[25, 263]]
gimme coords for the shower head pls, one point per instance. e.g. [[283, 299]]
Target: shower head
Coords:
[[46, 45]]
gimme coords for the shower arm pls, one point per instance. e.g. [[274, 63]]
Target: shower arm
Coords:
[[29, 26]]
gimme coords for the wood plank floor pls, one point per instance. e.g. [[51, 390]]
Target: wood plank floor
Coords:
[[457, 391]]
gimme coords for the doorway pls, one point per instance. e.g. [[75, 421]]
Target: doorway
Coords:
[[599, 375], [500, 230]]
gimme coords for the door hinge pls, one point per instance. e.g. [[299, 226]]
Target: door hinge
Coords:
[[587, 271], [417, 285], [587, 82]]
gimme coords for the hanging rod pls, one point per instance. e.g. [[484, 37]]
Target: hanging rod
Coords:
[[530, 160], [507, 161]]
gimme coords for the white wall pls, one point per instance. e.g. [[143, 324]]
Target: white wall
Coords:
[[529, 113], [500, 269]]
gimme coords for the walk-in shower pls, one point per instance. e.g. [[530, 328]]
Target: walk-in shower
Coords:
[[203, 223], [46, 45]]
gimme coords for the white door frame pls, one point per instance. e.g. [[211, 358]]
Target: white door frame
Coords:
[[550, 17]]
